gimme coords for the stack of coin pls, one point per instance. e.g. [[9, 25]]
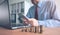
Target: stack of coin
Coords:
[[35, 29], [41, 28]]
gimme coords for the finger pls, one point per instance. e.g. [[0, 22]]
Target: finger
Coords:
[[31, 22]]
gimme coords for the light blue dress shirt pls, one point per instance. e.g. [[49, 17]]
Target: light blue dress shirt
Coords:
[[47, 14]]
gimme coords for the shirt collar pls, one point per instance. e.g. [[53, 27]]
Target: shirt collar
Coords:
[[42, 1]]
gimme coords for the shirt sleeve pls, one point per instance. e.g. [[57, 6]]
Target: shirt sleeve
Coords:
[[29, 12], [55, 21]]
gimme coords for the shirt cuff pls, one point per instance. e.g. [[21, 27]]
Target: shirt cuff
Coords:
[[42, 23]]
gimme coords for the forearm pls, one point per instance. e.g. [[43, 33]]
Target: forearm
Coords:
[[50, 23]]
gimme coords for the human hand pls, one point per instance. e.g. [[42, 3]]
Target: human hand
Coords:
[[31, 21]]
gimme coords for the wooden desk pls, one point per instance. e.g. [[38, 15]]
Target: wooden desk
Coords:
[[47, 31]]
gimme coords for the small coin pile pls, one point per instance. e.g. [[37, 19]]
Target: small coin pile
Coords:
[[35, 29]]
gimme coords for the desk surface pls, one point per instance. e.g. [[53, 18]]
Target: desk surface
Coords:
[[47, 31]]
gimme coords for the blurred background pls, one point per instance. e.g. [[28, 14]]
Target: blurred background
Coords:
[[9, 10]]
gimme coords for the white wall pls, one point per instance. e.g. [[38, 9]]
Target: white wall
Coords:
[[57, 3], [58, 7]]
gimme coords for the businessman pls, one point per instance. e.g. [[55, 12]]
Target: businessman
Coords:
[[43, 12]]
